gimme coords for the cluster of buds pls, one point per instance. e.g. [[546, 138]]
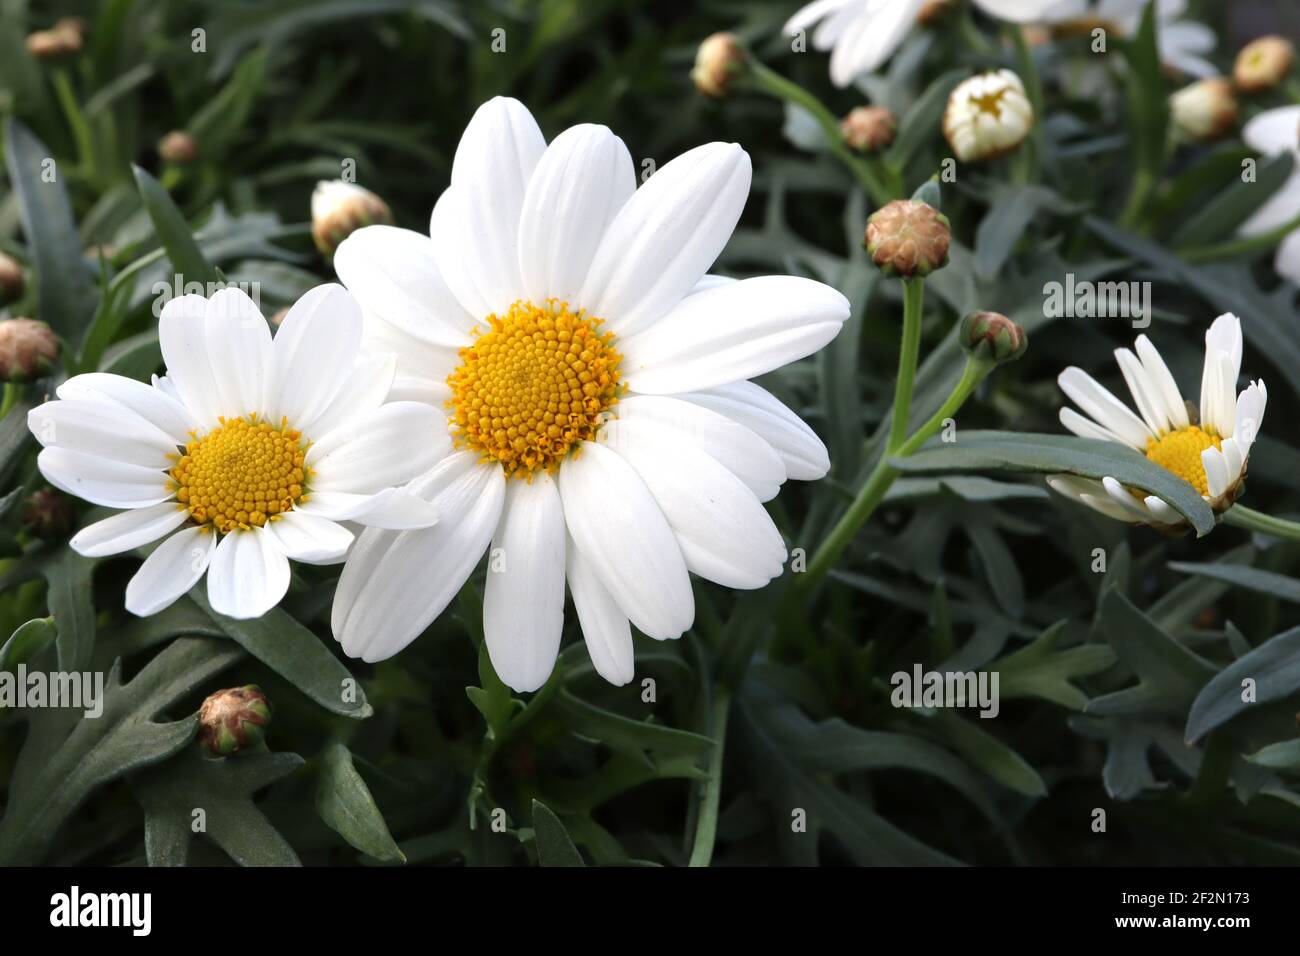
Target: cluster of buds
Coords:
[[907, 238], [339, 209], [28, 350], [178, 147], [1262, 64], [987, 116], [1204, 111], [992, 337], [718, 62], [233, 720], [12, 279], [868, 128], [65, 38]]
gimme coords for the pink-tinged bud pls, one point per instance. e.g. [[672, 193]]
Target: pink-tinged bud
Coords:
[[1205, 111], [868, 128], [907, 238], [178, 147], [48, 514], [233, 720], [28, 350], [339, 209], [1262, 64], [992, 337], [12, 279], [719, 60]]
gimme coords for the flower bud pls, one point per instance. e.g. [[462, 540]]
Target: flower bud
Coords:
[[232, 720], [60, 41], [75, 25], [12, 279], [907, 238], [178, 147], [28, 349], [1205, 110], [1262, 64], [48, 514], [868, 128], [339, 209], [279, 316], [992, 337], [929, 14], [719, 60], [987, 116]]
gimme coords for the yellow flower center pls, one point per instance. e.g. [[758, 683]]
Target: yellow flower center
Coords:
[[532, 386], [242, 473], [991, 102], [1180, 452]]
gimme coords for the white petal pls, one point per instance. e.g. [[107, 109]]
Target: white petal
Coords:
[[523, 602], [1148, 399], [1105, 409], [239, 351], [605, 628], [365, 389], [1162, 511], [1219, 378], [583, 179], [1273, 131], [112, 484], [1088, 492], [667, 236], [415, 356], [153, 404], [1162, 382], [393, 508], [407, 388], [1287, 261], [249, 574], [1216, 472], [378, 449], [724, 533], [739, 449], [1249, 416], [182, 336], [310, 538], [1232, 458], [1086, 427], [801, 451], [101, 428], [174, 567], [872, 40], [733, 332], [1121, 496], [396, 582], [617, 525], [312, 354], [127, 530]]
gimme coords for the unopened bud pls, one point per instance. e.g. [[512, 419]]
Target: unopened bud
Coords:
[[907, 238], [339, 209], [279, 316], [987, 116], [75, 25], [28, 349], [992, 337], [12, 279], [719, 60], [178, 147], [932, 12], [868, 128], [232, 720], [52, 44], [48, 514], [1205, 110], [1262, 64]]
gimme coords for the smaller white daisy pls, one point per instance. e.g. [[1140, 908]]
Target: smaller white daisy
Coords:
[[1210, 453], [250, 452]]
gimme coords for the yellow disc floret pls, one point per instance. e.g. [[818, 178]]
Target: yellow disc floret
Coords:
[[1180, 452], [241, 474], [533, 386]]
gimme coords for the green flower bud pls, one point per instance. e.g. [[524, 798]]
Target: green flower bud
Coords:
[[232, 720], [993, 337], [907, 238]]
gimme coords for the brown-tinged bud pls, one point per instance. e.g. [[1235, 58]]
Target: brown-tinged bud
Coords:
[[28, 349], [1206, 110], [1262, 64], [992, 337], [1036, 35], [932, 12], [54, 44], [178, 147], [12, 279], [232, 720], [868, 128], [75, 25], [279, 316], [907, 238], [719, 60], [339, 209], [48, 514]]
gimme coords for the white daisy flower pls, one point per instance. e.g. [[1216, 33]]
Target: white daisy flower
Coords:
[[863, 34], [250, 452], [594, 384], [1210, 454], [987, 116], [1273, 132], [1182, 44]]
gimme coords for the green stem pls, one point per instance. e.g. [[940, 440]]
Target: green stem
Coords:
[[1028, 166], [1143, 183], [774, 84], [706, 824], [76, 119], [882, 477], [11, 394], [1240, 246], [908, 353], [1240, 516]]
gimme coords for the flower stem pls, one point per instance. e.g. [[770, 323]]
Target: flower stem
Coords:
[[76, 119], [908, 353], [1242, 517], [11, 393], [1242, 245], [882, 476], [1143, 183], [706, 824], [774, 84]]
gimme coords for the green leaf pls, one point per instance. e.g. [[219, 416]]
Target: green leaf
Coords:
[[173, 231], [15, 437], [554, 846], [623, 734], [71, 605], [1054, 454], [923, 117], [345, 804], [296, 654], [1284, 755], [1147, 95], [1234, 203], [222, 788], [65, 295], [27, 643], [493, 700], [1243, 576], [1274, 666], [219, 122], [988, 753], [1040, 670]]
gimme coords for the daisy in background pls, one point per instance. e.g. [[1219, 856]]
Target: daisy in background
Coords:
[[249, 453], [1210, 452], [1273, 132], [592, 379], [1182, 44]]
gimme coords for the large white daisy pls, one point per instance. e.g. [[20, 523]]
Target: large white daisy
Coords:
[[1273, 132], [594, 384], [250, 452], [1210, 452]]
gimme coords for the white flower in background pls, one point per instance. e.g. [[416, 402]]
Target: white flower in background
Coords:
[[1273, 132], [1210, 454], [594, 383], [1204, 110], [987, 116], [863, 34], [1182, 44], [250, 452]]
